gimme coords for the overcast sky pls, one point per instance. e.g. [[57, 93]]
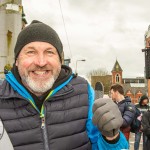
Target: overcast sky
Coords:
[[99, 31]]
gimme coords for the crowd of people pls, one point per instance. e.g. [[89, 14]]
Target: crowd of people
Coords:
[[44, 105], [128, 111]]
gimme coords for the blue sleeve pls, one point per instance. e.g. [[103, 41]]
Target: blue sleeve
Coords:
[[97, 141], [93, 132], [121, 144]]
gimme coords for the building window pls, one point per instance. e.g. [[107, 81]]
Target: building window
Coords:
[[99, 90], [117, 78], [99, 86]]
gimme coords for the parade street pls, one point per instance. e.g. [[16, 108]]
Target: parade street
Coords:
[[132, 136]]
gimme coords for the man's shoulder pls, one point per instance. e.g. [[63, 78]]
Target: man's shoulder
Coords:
[[1, 86], [130, 107], [79, 80], [5, 88], [1, 83]]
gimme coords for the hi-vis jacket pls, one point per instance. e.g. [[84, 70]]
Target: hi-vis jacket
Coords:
[[63, 123]]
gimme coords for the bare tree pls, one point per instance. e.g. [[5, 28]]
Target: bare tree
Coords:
[[97, 72], [100, 75]]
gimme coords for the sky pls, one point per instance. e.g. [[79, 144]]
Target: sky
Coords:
[[98, 31]]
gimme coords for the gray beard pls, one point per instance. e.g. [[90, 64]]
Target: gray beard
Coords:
[[39, 86]]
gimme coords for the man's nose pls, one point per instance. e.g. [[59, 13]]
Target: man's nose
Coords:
[[40, 60]]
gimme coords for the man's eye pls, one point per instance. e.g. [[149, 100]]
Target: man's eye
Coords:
[[30, 52], [50, 52]]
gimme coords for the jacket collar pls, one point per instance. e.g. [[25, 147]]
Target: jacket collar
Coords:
[[6, 91]]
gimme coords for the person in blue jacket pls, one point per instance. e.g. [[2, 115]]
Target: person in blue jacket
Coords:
[[44, 106]]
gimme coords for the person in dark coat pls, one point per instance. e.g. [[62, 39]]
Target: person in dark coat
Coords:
[[126, 108], [45, 106], [143, 107], [146, 129]]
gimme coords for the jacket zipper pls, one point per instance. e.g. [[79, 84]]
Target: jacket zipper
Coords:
[[43, 126], [44, 132]]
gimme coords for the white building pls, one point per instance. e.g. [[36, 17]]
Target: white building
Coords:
[[10, 26]]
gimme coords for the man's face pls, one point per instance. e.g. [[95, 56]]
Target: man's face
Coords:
[[39, 66], [113, 95]]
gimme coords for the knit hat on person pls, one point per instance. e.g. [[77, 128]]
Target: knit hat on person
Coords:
[[142, 98], [38, 31]]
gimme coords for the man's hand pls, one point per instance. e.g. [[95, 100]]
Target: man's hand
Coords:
[[107, 117]]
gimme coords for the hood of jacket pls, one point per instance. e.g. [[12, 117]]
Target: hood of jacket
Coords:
[[13, 87], [142, 99], [6, 91]]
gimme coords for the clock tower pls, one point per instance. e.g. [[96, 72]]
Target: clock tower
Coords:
[[117, 73]]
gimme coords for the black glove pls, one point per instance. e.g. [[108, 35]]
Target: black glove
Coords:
[[107, 117]]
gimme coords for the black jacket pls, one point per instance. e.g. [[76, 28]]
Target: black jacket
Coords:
[[146, 128], [65, 119], [127, 110]]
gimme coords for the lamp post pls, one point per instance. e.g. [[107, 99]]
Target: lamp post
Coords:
[[147, 59], [67, 62], [77, 64], [147, 68]]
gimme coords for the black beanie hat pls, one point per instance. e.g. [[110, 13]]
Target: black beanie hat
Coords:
[[143, 97], [38, 31]]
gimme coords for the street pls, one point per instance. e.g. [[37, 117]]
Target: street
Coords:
[[132, 142]]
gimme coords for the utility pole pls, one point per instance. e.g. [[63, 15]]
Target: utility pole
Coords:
[[147, 59], [77, 64]]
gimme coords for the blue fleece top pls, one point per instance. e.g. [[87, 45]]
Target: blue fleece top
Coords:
[[97, 140]]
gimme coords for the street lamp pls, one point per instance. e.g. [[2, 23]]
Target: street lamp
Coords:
[[67, 62], [77, 64], [147, 62]]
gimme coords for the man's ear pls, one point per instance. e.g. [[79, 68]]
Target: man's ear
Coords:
[[16, 63], [117, 92]]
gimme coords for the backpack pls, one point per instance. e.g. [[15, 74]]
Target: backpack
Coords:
[[136, 123]]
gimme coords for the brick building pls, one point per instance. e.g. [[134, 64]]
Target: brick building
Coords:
[[133, 87]]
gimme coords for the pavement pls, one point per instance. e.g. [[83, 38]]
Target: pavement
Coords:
[[131, 141]]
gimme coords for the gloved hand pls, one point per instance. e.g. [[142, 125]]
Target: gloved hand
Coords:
[[107, 116]]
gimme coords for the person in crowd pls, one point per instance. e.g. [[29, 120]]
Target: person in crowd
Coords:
[[143, 107], [146, 129], [126, 108], [44, 106]]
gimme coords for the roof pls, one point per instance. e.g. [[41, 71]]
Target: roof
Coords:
[[137, 84], [117, 67], [135, 87]]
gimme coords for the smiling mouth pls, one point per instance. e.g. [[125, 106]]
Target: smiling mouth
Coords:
[[41, 73]]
